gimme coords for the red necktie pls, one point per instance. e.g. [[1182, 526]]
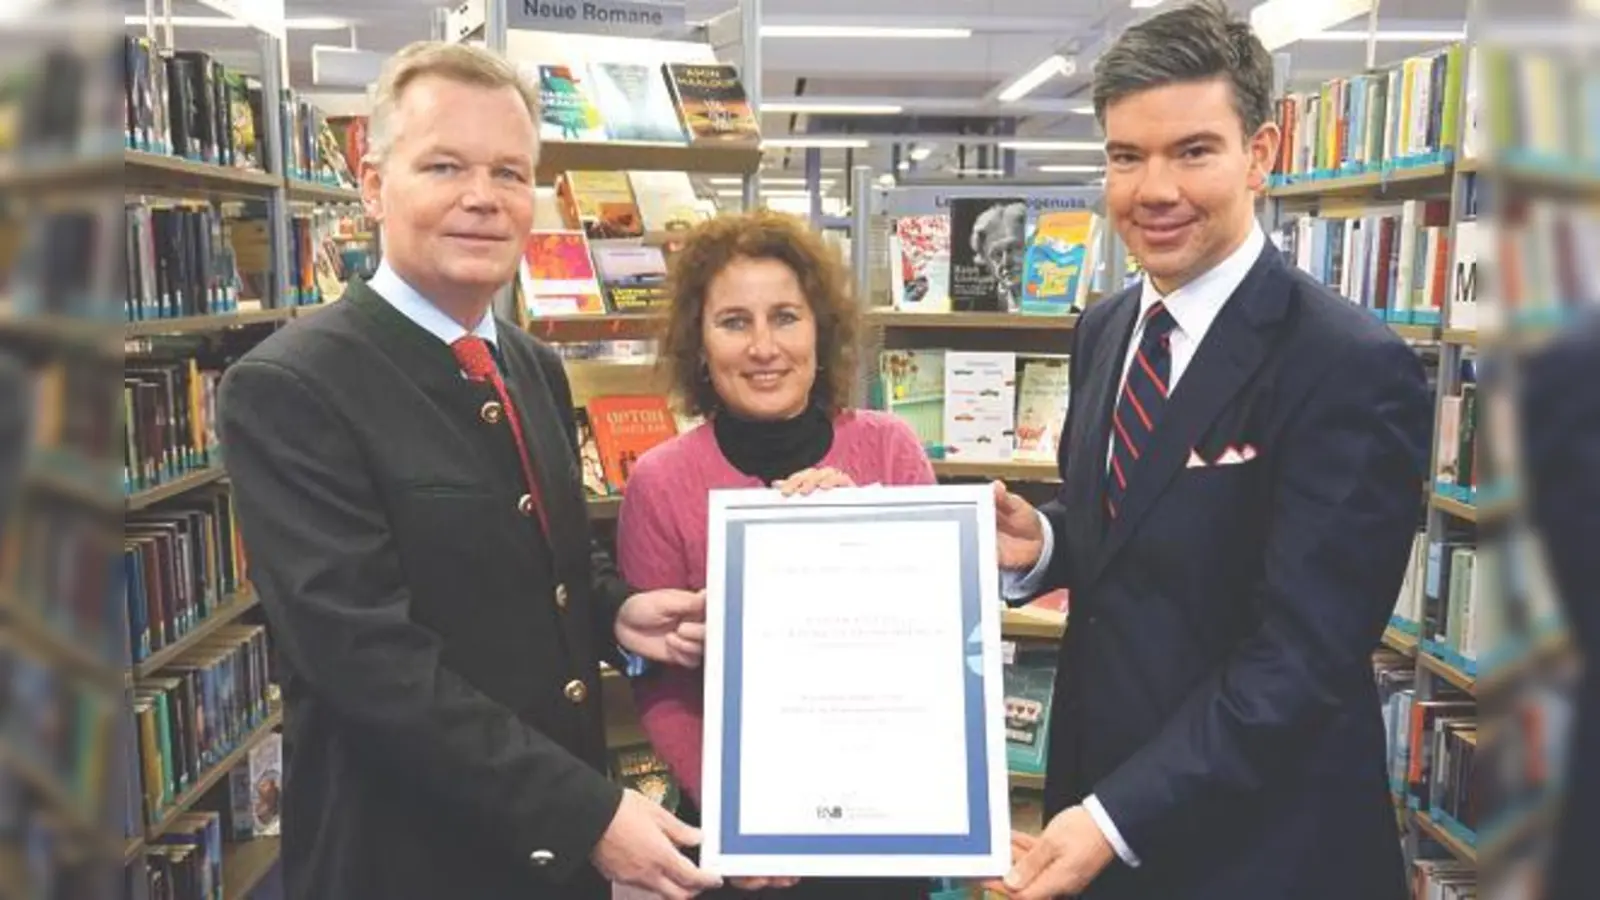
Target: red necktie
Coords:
[[475, 359], [1144, 394]]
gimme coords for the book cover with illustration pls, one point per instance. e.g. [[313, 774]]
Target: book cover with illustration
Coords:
[[633, 276], [557, 276], [920, 255], [1042, 392], [634, 103], [625, 427], [1030, 678], [638, 768], [599, 202], [1058, 247], [666, 201], [979, 405], [712, 103], [912, 382], [988, 238], [567, 110]]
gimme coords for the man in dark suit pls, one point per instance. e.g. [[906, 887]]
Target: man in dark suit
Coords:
[[1560, 412], [1241, 482], [405, 468]]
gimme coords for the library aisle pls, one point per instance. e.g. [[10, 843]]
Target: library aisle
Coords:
[[181, 186]]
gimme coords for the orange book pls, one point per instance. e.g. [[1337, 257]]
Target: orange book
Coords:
[[625, 427]]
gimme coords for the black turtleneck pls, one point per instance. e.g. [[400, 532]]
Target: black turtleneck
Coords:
[[776, 448]]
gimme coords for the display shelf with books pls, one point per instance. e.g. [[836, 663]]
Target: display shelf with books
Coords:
[[221, 258], [1366, 195], [971, 293]]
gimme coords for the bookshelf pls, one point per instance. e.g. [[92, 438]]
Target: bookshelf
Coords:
[[1476, 625], [1393, 191]]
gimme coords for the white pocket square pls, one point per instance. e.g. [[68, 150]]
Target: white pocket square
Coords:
[[1230, 456]]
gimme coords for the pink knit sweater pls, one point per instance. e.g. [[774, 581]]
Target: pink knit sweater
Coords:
[[661, 543]]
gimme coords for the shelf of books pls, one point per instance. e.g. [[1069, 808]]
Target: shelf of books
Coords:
[[1368, 199], [242, 213], [1390, 185]]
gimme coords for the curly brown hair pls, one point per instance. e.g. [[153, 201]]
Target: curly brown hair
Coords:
[[707, 250]]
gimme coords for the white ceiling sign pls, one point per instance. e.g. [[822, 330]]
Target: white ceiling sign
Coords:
[[267, 15], [1281, 22]]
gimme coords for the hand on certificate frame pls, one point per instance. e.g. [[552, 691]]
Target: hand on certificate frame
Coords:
[[665, 625], [805, 481], [1022, 844], [1066, 857], [761, 884]]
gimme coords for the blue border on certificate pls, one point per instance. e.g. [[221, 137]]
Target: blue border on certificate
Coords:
[[976, 840]]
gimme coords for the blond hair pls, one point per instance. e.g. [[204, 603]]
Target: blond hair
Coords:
[[464, 63]]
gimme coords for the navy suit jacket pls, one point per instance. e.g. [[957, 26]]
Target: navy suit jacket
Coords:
[[1560, 402], [1214, 689]]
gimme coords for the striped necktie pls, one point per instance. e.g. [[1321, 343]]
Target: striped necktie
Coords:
[[1139, 405]]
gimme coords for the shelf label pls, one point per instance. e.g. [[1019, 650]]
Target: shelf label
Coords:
[[616, 18]]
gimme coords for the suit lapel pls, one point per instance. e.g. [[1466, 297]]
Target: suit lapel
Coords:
[[1084, 485], [1232, 350]]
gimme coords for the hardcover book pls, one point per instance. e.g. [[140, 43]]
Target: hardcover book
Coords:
[[712, 103], [557, 276], [920, 254], [625, 427], [987, 250], [567, 110], [634, 103]]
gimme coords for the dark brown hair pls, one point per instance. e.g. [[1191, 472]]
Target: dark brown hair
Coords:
[[1195, 42], [763, 234]]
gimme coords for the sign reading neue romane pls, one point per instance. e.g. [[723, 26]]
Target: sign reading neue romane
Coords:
[[620, 18]]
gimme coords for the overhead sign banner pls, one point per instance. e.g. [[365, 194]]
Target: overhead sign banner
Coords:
[[616, 18], [931, 199]]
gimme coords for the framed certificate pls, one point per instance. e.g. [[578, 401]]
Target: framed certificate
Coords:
[[854, 712]]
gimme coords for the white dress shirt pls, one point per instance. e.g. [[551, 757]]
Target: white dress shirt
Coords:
[[1194, 307], [403, 297]]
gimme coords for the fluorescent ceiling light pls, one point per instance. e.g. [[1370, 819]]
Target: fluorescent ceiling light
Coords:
[[1024, 144], [860, 31], [1068, 168], [819, 142], [765, 181], [1144, 4], [979, 171], [1085, 110], [1360, 37], [308, 23], [1055, 64], [918, 154], [1281, 22], [838, 109]]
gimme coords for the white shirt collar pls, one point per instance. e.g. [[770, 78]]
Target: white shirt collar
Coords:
[[1196, 305], [419, 309]]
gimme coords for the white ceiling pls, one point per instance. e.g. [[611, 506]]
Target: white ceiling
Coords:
[[942, 84]]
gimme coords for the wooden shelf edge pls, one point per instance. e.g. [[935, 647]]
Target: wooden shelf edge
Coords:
[[1020, 625], [1448, 672], [228, 611], [976, 321], [176, 487], [208, 323], [1005, 471], [246, 863], [1375, 182], [1462, 850], [1400, 642]]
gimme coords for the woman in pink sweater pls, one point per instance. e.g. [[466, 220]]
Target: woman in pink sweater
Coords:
[[761, 341]]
